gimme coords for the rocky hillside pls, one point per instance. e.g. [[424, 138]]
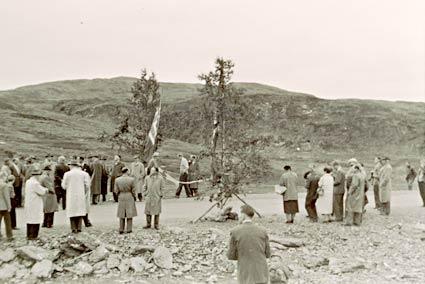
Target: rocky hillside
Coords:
[[70, 115]]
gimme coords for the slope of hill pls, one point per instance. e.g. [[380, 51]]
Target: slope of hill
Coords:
[[68, 116]]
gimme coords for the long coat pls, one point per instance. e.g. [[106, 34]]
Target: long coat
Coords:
[[49, 199], [324, 203], [98, 171], [137, 171], [60, 170], [6, 191], [355, 194], [385, 186], [339, 182], [249, 245], [116, 172], [77, 185], [126, 190], [194, 173], [289, 180], [153, 192], [33, 204]]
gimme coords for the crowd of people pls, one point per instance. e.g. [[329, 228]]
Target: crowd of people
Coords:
[[75, 184], [338, 195]]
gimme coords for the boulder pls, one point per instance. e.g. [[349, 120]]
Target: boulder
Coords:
[[83, 268], [163, 258], [315, 262], [99, 254], [42, 269], [113, 261], [338, 266], [138, 264], [33, 253], [8, 271], [99, 265], [7, 255]]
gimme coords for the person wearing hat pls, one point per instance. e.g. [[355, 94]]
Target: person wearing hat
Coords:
[[50, 199], [116, 172], [153, 162], [385, 186], [6, 194], [355, 196], [153, 191], [98, 170], [249, 246], [311, 184], [34, 212], [105, 178], [125, 189], [194, 174], [76, 183], [137, 171]]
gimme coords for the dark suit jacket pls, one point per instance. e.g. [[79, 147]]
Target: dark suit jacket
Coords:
[[312, 184], [249, 245], [18, 180], [60, 170], [339, 182]]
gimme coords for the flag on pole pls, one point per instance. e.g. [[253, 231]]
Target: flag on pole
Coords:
[[150, 142]]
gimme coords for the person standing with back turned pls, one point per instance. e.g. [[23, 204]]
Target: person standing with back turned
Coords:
[[249, 245]]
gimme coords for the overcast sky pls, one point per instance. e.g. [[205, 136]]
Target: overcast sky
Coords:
[[370, 49]]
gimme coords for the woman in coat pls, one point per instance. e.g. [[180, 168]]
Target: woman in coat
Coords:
[[290, 197], [96, 180], [385, 186], [34, 213], [355, 197], [153, 192], [194, 174], [125, 189], [49, 199], [326, 188]]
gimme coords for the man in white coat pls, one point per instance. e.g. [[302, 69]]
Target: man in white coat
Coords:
[[34, 213], [76, 183]]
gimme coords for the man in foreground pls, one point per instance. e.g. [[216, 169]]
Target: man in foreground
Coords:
[[249, 245]]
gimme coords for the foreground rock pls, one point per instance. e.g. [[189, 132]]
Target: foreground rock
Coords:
[[163, 258], [42, 269], [8, 271], [7, 255], [83, 268]]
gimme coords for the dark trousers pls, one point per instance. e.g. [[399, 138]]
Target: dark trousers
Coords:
[[18, 196], [310, 207], [95, 198], [48, 219], [338, 207], [386, 208], [183, 178], [61, 196], [13, 213], [115, 195], [129, 224], [421, 185], [86, 220], [376, 195], [76, 223], [7, 222], [32, 231]]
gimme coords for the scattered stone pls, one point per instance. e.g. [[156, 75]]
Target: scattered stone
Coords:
[[338, 266], [176, 230], [138, 264], [99, 265], [163, 258], [124, 266], [99, 254], [23, 273], [288, 242], [177, 273], [83, 268], [33, 253], [142, 249], [113, 261], [42, 269], [7, 255], [315, 262], [8, 271]]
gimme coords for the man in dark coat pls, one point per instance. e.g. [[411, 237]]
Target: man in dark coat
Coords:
[[104, 181], [116, 172], [338, 193], [85, 166], [311, 184], [60, 169], [17, 184], [249, 245], [125, 188], [98, 171]]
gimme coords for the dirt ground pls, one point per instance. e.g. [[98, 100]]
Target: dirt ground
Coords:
[[382, 250]]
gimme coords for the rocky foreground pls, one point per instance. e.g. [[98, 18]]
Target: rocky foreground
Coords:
[[383, 250]]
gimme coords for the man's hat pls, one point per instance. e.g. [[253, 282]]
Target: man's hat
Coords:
[[156, 154], [353, 161], [385, 159], [47, 168], [36, 170]]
